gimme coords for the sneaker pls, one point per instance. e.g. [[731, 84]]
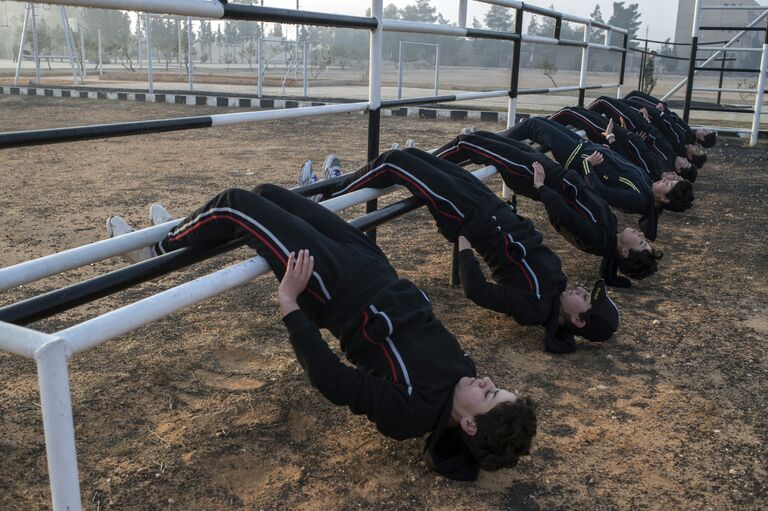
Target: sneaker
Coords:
[[158, 214], [307, 176], [468, 130], [410, 143], [332, 166], [395, 147], [116, 226]]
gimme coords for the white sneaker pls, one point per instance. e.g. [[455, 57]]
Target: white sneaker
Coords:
[[468, 130], [410, 143], [158, 214], [116, 226], [332, 166], [395, 147], [307, 176]]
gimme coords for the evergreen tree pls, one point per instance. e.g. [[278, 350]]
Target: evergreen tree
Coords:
[[499, 18], [597, 35], [625, 17]]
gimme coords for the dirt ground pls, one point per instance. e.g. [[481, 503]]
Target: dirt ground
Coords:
[[208, 409]]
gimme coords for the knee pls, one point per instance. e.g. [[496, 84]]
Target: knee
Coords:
[[267, 190]]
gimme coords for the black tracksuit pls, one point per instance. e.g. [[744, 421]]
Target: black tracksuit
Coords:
[[579, 214], [406, 364], [620, 182], [528, 274], [617, 109], [626, 143], [683, 129]]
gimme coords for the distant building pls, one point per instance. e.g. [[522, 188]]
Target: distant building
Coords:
[[720, 18]]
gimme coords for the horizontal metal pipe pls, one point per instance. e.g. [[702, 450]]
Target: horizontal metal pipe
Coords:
[[463, 96], [733, 8], [729, 69], [423, 100], [477, 33], [21, 341], [417, 27], [750, 29], [704, 108], [725, 89], [295, 17], [731, 48], [568, 88], [570, 42], [286, 113], [197, 8], [537, 39]]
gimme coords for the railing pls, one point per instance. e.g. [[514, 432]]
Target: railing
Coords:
[[51, 351]]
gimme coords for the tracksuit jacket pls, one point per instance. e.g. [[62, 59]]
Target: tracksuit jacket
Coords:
[[626, 142], [406, 364], [618, 109], [624, 185], [528, 277], [577, 212], [646, 100]]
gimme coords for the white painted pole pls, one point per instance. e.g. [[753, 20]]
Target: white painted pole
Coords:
[[21, 340], [400, 72], [58, 424], [584, 60], [759, 98], [178, 36], [36, 44], [306, 85], [101, 55], [260, 79], [150, 78], [21, 45], [374, 73], [69, 42], [463, 12], [83, 71], [138, 41], [437, 70], [189, 53]]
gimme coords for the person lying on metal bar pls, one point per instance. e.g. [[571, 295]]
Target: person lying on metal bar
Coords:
[[577, 212], [529, 284], [410, 376], [620, 182], [707, 138], [602, 130], [628, 116]]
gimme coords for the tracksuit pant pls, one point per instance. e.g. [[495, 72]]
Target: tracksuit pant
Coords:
[[275, 221]]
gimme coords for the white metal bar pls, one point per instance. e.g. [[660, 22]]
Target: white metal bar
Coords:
[[417, 27], [58, 424], [729, 48], [148, 28], [724, 89], [400, 71], [537, 39], [607, 47], [190, 60], [437, 70], [260, 80], [463, 5], [102, 328], [306, 84], [101, 60], [759, 98], [584, 59], [37, 269], [465, 96], [21, 46], [67, 41], [197, 8], [375, 55], [20, 340], [677, 87], [35, 43], [83, 70], [291, 113]]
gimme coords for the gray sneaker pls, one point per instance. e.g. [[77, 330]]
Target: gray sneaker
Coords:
[[332, 166], [395, 147], [307, 176], [159, 215], [468, 130], [117, 226], [410, 143]]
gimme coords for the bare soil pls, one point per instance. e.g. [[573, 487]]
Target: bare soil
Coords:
[[208, 409]]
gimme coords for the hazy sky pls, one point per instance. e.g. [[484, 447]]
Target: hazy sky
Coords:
[[658, 15]]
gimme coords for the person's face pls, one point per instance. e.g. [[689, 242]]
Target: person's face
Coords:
[[701, 134], [682, 163], [693, 150], [633, 239], [661, 188], [476, 396], [575, 302], [671, 176]]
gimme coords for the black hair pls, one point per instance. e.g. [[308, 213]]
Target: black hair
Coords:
[[709, 139], [639, 263], [680, 197], [690, 173], [698, 159], [504, 433]]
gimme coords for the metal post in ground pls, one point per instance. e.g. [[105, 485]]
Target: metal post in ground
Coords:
[[720, 81], [190, 65], [641, 77], [514, 81], [400, 72], [35, 43], [623, 71], [306, 84], [374, 94], [760, 92], [21, 45], [437, 70], [178, 35], [584, 65], [82, 52], [138, 41], [101, 58], [692, 62], [70, 43], [150, 78], [260, 78]]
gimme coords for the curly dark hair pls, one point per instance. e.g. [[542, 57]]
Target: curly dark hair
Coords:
[[709, 139], [639, 263], [690, 173], [504, 433], [680, 197], [698, 159]]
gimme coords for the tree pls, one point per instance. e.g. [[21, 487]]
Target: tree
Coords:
[[625, 17], [499, 18], [422, 10], [597, 35]]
